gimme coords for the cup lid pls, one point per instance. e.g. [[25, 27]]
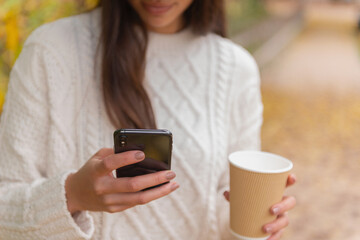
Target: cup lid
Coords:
[[261, 162]]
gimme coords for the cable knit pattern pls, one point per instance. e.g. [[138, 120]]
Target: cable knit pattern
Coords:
[[205, 89]]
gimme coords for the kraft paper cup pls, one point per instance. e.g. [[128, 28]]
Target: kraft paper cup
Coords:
[[257, 181]]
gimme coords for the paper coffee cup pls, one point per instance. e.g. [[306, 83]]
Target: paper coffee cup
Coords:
[[257, 181]]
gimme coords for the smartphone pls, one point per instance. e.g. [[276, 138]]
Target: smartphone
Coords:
[[155, 143]]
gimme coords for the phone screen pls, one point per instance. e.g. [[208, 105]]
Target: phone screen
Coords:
[[156, 144]]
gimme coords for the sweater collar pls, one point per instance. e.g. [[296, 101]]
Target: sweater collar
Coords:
[[159, 43], [170, 43]]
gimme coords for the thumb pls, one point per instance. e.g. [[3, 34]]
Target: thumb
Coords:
[[103, 153], [227, 195], [113, 161]]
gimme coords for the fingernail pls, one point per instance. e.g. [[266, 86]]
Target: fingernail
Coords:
[[139, 155], [174, 186], [275, 210], [170, 175], [268, 229]]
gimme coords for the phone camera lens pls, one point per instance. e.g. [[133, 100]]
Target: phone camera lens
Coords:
[[123, 141]]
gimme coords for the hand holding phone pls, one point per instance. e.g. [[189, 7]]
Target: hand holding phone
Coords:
[[94, 188]]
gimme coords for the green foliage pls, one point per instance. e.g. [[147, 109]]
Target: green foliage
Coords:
[[242, 14]]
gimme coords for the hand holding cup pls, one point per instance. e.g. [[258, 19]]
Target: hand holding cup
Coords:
[[257, 182]]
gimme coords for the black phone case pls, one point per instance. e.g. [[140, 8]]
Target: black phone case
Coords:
[[155, 143]]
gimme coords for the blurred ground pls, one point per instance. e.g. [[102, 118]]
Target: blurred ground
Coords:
[[311, 94]]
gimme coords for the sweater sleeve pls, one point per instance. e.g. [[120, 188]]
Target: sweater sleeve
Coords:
[[244, 123], [246, 110], [32, 204]]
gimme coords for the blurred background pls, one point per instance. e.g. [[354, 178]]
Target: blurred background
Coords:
[[309, 57]]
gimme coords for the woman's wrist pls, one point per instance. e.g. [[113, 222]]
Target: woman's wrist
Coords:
[[69, 194]]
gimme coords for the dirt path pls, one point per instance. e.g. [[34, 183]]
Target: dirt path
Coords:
[[311, 95], [321, 58]]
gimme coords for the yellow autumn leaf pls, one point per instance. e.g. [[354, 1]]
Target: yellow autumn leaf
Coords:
[[91, 3], [12, 33], [2, 99]]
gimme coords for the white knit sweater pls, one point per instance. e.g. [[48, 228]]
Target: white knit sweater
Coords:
[[204, 89]]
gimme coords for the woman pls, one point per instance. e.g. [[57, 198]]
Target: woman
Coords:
[[130, 64]]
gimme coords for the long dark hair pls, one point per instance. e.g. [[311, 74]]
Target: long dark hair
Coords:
[[124, 42]]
